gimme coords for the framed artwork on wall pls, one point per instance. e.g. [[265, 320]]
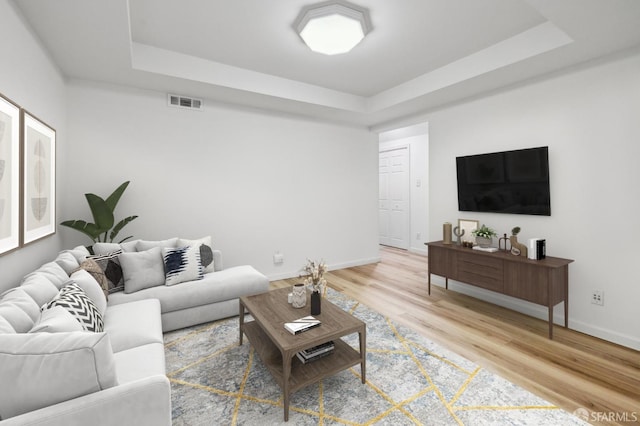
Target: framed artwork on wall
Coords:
[[469, 225], [38, 179], [9, 175]]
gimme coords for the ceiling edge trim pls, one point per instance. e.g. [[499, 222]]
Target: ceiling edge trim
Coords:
[[527, 44]]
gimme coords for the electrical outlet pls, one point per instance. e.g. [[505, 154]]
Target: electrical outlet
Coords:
[[418, 236], [597, 298], [278, 258]]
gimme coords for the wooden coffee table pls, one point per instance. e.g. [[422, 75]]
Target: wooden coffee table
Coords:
[[277, 347]]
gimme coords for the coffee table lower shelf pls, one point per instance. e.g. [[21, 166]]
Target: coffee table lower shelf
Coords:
[[343, 357]]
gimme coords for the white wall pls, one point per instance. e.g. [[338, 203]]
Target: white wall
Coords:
[[29, 78], [417, 139], [258, 183], [589, 120]]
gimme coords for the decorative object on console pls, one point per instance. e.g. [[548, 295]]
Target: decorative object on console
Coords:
[[517, 249], [458, 233], [537, 248], [446, 233], [502, 243], [467, 226], [104, 229], [484, 236], [299, 296]]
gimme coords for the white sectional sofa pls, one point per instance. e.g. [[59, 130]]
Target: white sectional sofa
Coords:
[[55, 372]]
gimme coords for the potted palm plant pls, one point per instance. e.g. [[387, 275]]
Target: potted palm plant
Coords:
[[104, 227]]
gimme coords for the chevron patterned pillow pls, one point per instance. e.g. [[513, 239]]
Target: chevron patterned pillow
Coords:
[[72, 298]]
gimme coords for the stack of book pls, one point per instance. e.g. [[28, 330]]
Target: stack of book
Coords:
[[316, 352]]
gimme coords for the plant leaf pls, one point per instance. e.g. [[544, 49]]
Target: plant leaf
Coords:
[[112, 200], [116, 229], [102, 214], [125, 239], [87, 228]]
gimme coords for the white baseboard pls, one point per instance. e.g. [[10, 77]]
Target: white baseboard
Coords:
[[331, 267], [420, 251], [540, 312]]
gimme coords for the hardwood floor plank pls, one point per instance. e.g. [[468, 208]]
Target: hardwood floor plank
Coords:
[[572, 371]]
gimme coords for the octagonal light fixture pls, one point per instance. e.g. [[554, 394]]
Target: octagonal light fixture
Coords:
[[333, 27]]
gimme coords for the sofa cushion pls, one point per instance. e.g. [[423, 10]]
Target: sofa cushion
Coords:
[[106, 248], [56, 320], [206, 251], [79, 252], [142, 269], [143, 245], [92, 267], [52, 368], [90, 286], [5, 326], [53, 272], [215, 287], [72, 298], [140, 362], [40, 288], [134, 324], [110, 265], [67, 261], [19, 309]]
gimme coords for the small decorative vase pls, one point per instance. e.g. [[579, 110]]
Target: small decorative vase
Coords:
[[299, 296], [315, 303], [484, 242], [446, 233], [517, 249]]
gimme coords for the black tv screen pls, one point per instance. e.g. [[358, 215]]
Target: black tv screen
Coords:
[[505, 182]]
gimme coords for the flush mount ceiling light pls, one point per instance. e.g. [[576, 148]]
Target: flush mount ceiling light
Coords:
[[332, 27]]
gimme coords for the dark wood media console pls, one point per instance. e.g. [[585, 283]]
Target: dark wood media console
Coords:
[[544, 282]]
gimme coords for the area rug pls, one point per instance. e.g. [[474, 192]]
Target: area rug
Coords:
[[410, 381]]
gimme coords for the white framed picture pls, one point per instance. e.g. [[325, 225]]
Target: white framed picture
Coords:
[[39, 179], [9, 175]]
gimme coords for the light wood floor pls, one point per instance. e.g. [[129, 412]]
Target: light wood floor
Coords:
[[572, 371]]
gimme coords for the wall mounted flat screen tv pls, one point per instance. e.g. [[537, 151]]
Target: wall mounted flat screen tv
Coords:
[[505, 182]]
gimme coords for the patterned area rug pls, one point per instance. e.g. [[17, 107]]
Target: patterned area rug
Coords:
[[410, 381]]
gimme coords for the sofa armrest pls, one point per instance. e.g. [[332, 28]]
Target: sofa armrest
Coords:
[[217, 260], [145, 402]]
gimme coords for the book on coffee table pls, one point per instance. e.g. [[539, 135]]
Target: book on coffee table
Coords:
[[316, 352], [302, 324]]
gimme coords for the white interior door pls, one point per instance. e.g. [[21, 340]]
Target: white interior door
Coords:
[[394, 197]]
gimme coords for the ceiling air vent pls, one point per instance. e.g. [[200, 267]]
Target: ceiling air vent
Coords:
[[184, 102]]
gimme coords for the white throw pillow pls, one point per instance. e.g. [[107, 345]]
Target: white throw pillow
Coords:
[[206, 251], [182, 264], [143, 269], [143, 245]]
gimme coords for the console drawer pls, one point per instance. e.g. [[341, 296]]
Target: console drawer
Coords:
[[481, 271]]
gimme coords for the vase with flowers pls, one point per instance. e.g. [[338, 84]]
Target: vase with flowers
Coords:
[[314, 279]]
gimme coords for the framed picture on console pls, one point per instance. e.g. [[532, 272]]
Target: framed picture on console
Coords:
[[468, 225], [39, 179], [9, 175]]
